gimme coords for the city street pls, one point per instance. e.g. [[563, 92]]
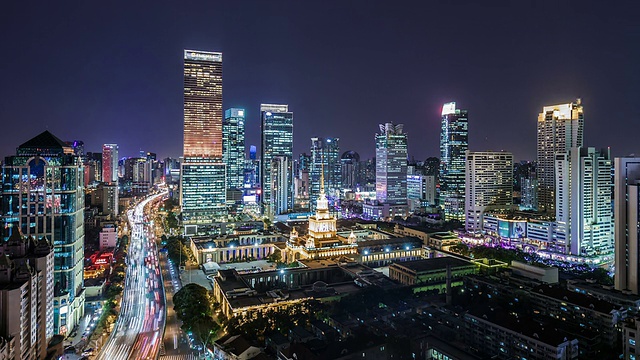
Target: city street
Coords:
[[175, 341], [138, 331]]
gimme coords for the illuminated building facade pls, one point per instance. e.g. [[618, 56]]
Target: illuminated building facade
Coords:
[[325, 156], [203, 195], [454, 143], [280, 200], [203, 174], [110, 163], [489, 185], [202, 104], [627, 224], [391, 165], [43, 197], [233, 147], [277, 141], [583, 202], [560, 128]]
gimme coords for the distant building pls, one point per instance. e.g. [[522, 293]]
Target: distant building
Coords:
[[325, 156], [233, 146], [454, 142], [350, 163], [560, 128], [277, 141], [430, 271], [56, 213], [110, 163], [391, 165], [627, 224], [489, 185], [108, 237]]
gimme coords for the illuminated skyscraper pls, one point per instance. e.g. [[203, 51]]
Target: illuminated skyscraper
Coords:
[[583, 202], [350, 163], [203, 174], [325, 154], [43, 197], [109, 163], [233, 146], [627, 224], [560, 127], [277, 141], [391, 165], [489, 185], [454, 142], [202, 104]]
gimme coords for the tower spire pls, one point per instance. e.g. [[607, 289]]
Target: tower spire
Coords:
[[322, 174]]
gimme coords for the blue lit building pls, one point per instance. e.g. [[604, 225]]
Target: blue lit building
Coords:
[[325, 154], [43, 197], [454, 142], [233, 146], [277, 142], [391, 165]]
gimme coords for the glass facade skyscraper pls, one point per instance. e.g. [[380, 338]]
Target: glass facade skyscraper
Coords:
[[325, 154], [203, 174], [454, 142], [560, 127], [43, 197], [202, 104], [391, 165], [233, 146], [277, 141]]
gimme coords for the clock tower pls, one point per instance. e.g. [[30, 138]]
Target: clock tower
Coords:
[[322, 225]]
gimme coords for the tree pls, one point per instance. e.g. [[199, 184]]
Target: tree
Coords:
[[193, 306]]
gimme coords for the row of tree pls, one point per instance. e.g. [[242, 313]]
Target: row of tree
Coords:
[[194, 307]]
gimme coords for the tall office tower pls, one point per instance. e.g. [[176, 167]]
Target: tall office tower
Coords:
[[454, 143], [233, 146], [583, 202], [277, 141], [627, 224], [43, 197], [203, 174], [391, 165], [109, 197], [432, 166], [350, 163], [325, 155], [109, 163], [560, 128], [202, 104], [26, 294], [280, 196], [489, 185]]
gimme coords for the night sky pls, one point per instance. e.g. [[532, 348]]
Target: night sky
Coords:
[[104, 73]]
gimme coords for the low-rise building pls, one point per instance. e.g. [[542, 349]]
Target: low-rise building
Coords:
[[430, 271]]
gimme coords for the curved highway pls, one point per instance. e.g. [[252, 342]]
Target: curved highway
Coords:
[[137, 333]]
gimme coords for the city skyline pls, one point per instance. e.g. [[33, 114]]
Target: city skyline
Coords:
[[326, 79]]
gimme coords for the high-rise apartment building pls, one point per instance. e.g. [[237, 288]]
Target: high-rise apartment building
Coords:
[[277, 141], [560, 128], [202, 104], [233, 146], [627, 224], [110, 163], [454, 142], [583, 202], [391, 165], [325, 156], [43, 197], [203, 174], [26, 294], [489, 185]]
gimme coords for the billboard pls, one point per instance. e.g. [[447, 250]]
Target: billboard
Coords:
[[512, 229]]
